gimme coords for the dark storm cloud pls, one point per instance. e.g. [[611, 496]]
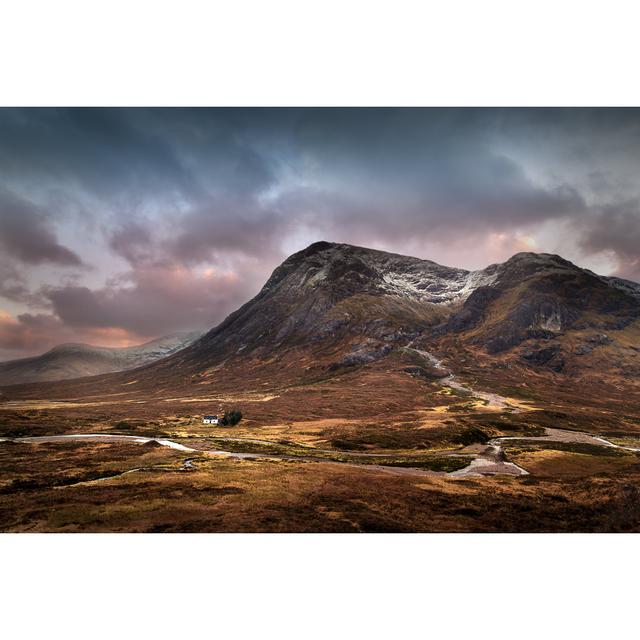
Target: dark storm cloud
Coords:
[[361, 176], [177, 193], [207, 169], [226, 227], [154, 300], [28, 332], [422, 169], [100, 150], [12, 283], [133, 241], [616, 228], [452, 173], [25, 234]]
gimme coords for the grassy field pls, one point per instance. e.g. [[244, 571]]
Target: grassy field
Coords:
[[378, 444], [567, 493]]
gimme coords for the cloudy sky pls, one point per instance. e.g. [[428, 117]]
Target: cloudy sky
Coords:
[[121, 225]]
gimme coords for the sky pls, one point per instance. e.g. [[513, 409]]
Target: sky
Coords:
[[118, 226]]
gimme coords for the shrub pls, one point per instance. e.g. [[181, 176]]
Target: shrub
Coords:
[[471, 436], [231, 418]]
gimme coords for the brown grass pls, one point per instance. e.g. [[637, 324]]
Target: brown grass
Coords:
[[377, 408]]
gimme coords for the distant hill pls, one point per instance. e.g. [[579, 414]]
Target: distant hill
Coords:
[[73, 360]]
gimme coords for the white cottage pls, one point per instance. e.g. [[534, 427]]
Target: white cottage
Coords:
[[210, 420]]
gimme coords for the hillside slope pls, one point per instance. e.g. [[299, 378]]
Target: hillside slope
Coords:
[[72, 360]]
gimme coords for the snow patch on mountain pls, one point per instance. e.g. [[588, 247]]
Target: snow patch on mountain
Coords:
[[435, 288]]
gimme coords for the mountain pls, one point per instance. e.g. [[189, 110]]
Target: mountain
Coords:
[[335, 306], [536, 298], [72, 360]]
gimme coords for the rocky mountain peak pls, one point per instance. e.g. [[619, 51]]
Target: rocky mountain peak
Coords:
[[347, 269]]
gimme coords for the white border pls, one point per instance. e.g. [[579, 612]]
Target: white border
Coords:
[[324, 53], [318, 586]]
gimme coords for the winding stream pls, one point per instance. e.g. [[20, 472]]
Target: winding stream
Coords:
[[103, 437], [563, 435], [493, 400], [489, 458]]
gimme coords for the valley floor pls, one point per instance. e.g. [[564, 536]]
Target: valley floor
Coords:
[[135, 487], [369, 451]]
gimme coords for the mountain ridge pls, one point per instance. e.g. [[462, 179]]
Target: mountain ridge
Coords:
[[332, 307], [342, 306], [76, 359]]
